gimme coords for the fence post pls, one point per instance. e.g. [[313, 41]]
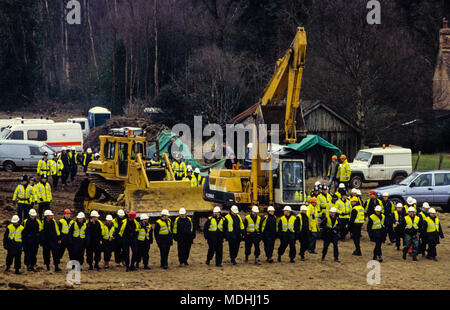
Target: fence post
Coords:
[[441, 159], [417, 161]]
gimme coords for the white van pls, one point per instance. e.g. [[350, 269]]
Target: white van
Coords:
[[22, 154], [18, 120], [57, 135], [84, 123]]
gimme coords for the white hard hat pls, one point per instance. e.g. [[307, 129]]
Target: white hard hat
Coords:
[[426, 205], [358, 192], [341, 185], [89, 150], [303, 208], [234, 209], [411, 209], [287, 208], [121, 212], [72, 148], [197, 170], [80, 215], [96, 154], [414, 201], [378, 208], [188, 167], [410, 200], [385, 194], [94, 214], [432, 210], [32, 212], [255, 209], [165, 212], [270, 208], [216, 209], [317, 183], [182, 211], [109, 217], [333, 210], [354, 191], [144, 217], [48, 213], [63, 148], [15, 219], [399, 205]]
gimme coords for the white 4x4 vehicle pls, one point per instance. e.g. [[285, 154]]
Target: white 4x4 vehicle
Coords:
[[388, 165]]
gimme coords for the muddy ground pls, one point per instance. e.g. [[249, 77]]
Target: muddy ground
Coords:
[[312, 274]]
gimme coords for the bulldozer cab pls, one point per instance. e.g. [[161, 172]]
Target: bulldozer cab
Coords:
[[289, 186]]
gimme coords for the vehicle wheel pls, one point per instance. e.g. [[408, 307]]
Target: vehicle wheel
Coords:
[[9, 166], [398, 179], [356, 181]]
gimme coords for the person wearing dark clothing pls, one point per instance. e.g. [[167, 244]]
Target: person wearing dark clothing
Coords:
[[66, 163], [397, 215], [332, 173], [184, 234], [164, 237], [376, 228], [355, 224], [301, 228], [145, 239], [118, 246], [371, 203], [31, 233], [109, 234], [286, 233], [12, 243], [128, 233], [432, 232], [94, 240], [411, 224], [330, 226], [269, 230], [64, 226], [77, 239], [388, 208], [213, 232], [252, 225], [50, 240], [233, 228], [73, 159]]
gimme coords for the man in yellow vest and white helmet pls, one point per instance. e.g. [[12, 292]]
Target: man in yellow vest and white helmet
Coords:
[[163, 237], [376, 228], [330, 226], [355, 224], [301, 227], [286, 232], [184, 234], [433, 231], [233, 228], [12, 243], [77, 238], [252, 224], [213, 232], [411, 224], [269, 230]]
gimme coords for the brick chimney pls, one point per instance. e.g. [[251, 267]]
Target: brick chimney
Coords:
[[444, 36]]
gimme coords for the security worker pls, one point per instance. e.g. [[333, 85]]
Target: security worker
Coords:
[[313, 216], [388, 208], [376, 228], [184, 233], [371, 203], [179, 168], [340, 190], [189, 177], [233, 228], [12, 243], [144, 239], [332, 172], [411, 203], [43, 195], [109, 233], [314, 194], [64, 226], [411, 224], [433, 231], [50, 239], [22, 197], [355, 224], [43, 166], [424, 213], [73, 159], [213, 232], [301, 227], [128, 233], [94, 240], [57, 167], [31, 236], [252, 224], [397, 215], [77, 238], [87, 158], [344, 209], [344, 171], [330, 226], [324, 199], [163, 237], [269, 231], [287, 234], [118, 246], [31, 189], [200, 181], [66, 165]]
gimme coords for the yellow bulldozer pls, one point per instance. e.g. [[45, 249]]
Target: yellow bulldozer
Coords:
[[129, 176]]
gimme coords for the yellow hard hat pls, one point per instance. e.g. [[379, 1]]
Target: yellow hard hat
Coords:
[[354, 199]]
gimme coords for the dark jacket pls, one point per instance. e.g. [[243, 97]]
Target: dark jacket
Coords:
[[212, 235], [13, 247], [31, 234], [270, 230], [49, 236], [94, 233], [256, 233], [328, 232], [376, 234], [435, 235], [185, 230], [237, 233], [148, 229], [163, 238], [285, 234], [72, 240], [65, 160], [129, 232], [412, 230]]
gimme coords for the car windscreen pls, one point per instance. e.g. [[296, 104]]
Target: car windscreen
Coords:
[[5, 133], [408, 179], [363, 156]]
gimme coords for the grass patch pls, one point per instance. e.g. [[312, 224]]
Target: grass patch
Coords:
[[431, 161]]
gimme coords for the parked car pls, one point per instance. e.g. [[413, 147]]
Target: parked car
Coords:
[[16, 154], [385, 165], [430, 186]]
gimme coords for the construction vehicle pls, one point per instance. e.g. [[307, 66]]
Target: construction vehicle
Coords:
[[129, 176], [270, 182]]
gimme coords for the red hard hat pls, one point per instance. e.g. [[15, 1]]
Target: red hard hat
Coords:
[[132, 214], [67, 211], [372, 192]]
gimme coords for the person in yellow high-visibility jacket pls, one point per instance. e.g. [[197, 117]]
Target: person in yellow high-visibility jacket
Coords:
[[22, 197], [43, 195], [43, 166], [344, 171], [56, 169], [179, 168], [313, 216]]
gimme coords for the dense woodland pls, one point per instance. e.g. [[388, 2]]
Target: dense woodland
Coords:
[[214, 58]]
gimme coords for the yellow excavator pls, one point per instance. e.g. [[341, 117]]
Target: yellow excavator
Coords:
[[271, 182], [127, 177]]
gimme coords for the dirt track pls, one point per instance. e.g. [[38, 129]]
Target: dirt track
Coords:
[[311, 274]]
